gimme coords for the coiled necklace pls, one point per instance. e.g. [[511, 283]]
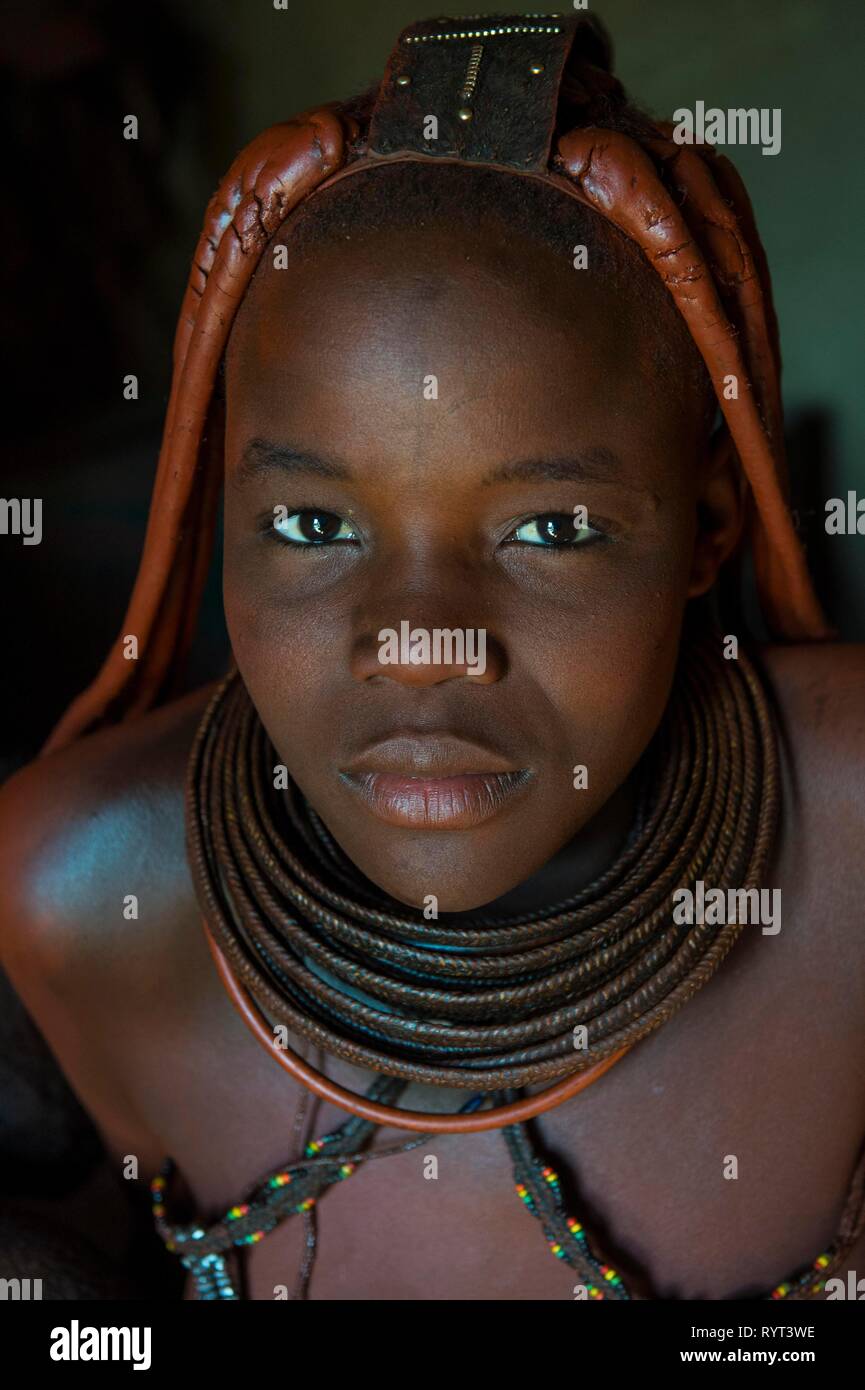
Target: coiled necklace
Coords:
[[488, 1004], [480, 1002]]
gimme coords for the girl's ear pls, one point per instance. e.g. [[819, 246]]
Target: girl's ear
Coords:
[[721, 500]]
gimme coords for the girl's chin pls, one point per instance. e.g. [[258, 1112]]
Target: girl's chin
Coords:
[[463, 895]]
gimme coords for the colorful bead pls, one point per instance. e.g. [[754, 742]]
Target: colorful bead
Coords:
[[213, 1280]]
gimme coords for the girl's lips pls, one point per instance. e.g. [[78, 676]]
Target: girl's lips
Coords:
[[455, 802]]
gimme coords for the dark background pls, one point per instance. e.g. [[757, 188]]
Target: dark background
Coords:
[[97, 238]]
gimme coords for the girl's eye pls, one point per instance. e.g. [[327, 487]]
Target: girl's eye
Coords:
[[557, 529], [311, 527]]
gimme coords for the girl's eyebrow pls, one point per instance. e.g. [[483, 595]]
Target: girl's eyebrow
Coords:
[[263, 456], [598, 464]]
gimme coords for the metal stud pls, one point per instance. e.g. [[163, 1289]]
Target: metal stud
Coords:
[[465, 113], [486, 33], [403, 80], [471, 77], [536, 69]]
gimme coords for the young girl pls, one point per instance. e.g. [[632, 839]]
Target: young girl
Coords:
[[500, 827]]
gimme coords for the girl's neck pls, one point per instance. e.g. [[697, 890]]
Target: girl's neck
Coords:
[[592, 850]]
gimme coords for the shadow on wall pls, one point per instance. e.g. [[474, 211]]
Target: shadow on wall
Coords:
[[93, 271], [835, 560]]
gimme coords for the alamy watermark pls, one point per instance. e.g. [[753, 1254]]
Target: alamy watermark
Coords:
[[21, 516], [715, 906], [20, 1290], [736, 126], [77, 1343], [845, 517], [438, 646]]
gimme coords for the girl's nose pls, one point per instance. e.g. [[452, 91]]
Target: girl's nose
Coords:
[[422, 620], [418, 655]]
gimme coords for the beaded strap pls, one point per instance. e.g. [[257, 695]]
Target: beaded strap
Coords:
[[568, 1240], [290, 1190], [296, 1188]]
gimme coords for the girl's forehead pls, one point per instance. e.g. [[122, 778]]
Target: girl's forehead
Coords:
[[469, 327], [417, 289], [438, 382]]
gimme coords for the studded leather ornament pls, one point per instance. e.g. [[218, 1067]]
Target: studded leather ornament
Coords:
[[481, 89]]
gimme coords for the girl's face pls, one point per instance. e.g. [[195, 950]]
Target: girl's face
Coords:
[[460, 440]]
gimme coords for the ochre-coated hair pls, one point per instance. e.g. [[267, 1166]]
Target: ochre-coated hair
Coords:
[[684, 206]]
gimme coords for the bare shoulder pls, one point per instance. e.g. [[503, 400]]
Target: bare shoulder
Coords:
[[819, 676], [819, 691], [87, 828], [96, 897], [819, 694]]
